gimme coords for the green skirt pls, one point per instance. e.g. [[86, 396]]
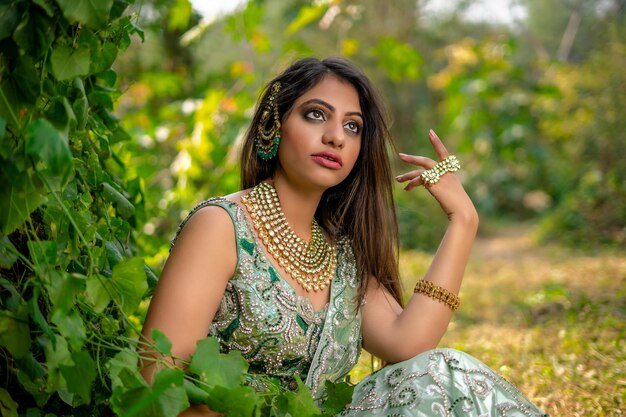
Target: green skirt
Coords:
[[442, 383]]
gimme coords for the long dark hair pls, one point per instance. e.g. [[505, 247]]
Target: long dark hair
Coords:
[[361, 207]]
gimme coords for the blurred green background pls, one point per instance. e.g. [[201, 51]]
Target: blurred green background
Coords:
[[532, 101]]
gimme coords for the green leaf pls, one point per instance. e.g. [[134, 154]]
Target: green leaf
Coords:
[[14, 301], [214, 368], [306, 15], [241, 401], [398, 59], [80, 376], [8, 407], [128, 284], [93, 13], [109, 77], [136, 29], [42, 252], [66, 396], [300, 403], [37, 316], [68, 62], [124, 360], [80, 105], [96, 293], [34, 33], [3, 128], [9, 18], [33, 412], [57, 354], [14, 332], [33, 377], [161, 342], [104, 58], [152, 279], [102, 54], [195, 394], [12, 108], [89, 39], [48, 145], [70, 325], [165, 398], [8, 253], [20, 197], [124, 207], [63, 289], [338, 396], [118, 9], [46, 6], [179, 14], [101, 98], [26, 80], [61, 115]]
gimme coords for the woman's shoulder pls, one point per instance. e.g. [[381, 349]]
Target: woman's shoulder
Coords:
[[209, 209], [213, 216]]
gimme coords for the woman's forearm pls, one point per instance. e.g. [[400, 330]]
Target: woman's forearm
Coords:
[[448, 265], [423, 321]]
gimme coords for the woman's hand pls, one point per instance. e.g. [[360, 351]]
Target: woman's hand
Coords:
[[448, 191]]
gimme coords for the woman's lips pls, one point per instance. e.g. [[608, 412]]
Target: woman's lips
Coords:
[[327, 160]]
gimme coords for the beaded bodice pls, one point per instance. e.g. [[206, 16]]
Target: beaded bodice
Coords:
[[261, 315], [281, 336]]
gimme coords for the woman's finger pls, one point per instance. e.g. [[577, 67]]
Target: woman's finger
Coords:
[[409, 175], [418, 160], [414, 183], [438, 145]]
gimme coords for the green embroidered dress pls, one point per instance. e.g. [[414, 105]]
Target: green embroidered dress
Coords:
[[281, 335]]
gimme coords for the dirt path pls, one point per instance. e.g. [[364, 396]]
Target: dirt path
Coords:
[[550, 319]]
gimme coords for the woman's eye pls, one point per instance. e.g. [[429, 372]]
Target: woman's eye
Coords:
[[316, 115], [353, 127]]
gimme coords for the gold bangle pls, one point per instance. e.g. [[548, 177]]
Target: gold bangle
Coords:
[[437, 293]]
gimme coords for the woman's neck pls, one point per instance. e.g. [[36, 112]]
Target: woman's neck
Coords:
[[298, 205]]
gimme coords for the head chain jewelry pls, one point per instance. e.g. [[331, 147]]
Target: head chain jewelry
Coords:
[[431, 176], [267, 140]]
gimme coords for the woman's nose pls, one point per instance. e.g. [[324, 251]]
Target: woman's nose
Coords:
[[334, 135]]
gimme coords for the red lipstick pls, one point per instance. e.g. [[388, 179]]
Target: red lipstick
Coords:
[[328, 159]]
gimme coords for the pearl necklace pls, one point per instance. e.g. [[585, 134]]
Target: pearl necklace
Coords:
[[312, 264]]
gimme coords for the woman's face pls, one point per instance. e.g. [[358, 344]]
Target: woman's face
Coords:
[[321, 135]]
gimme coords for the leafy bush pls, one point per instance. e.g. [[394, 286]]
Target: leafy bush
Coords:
[[586, 126], [69, 278], [487, 108], [71, 281]]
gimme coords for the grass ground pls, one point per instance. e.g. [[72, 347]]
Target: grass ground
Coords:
[[551, 320]]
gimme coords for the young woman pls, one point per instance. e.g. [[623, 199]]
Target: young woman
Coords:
[[299, 270]]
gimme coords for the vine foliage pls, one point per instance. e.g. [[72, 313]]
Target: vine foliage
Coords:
[[70, 277], [69, 280]]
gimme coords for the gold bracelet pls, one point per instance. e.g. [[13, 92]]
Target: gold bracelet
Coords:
[[438, 293], [431, 176]]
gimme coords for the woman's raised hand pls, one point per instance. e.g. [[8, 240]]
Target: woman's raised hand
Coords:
[[448, 191]]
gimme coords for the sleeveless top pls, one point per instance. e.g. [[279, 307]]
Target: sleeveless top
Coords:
[[278, 331], [281, 336]]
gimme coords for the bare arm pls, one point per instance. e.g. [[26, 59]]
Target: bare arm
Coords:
[[395, 334], [191, 287]]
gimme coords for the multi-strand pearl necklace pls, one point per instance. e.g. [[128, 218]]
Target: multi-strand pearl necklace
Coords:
[[312, 264]]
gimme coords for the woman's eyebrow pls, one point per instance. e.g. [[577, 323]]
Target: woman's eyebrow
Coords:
[[329, 106]]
